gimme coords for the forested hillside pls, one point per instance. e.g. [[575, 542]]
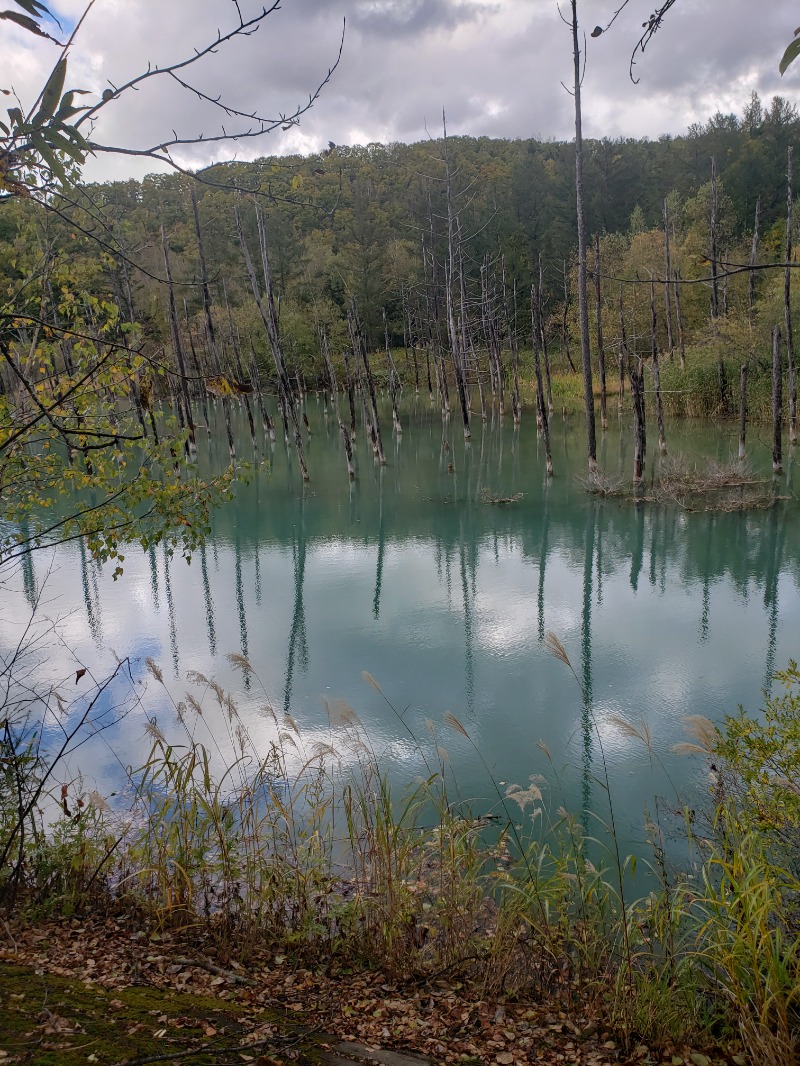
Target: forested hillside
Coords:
[[366, 229]]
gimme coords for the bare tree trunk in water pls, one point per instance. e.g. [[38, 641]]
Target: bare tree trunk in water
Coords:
[[348, 447], [455, 348], [191, 443], [742, 413], [715, 304], [636, 375], [269, 317], [212, 340], [545, 353], [236, 346], [667, 277], [540, 398], [777, 401], [197, 369], [564, 323], [662, 440], [676, 290], [360, 347], [583, 308], [787, 310], [753, 256], [351, 394], [623, 351], [398, 428], [601, 355], [621, 386], [135, 391]]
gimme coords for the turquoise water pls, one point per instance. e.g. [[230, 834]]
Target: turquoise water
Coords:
[[417, 574]]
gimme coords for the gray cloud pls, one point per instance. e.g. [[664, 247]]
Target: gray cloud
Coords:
[[497, 68], [404, 17]]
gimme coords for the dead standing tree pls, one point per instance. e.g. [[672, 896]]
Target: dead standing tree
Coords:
[[541, 402], [269, 317], [346, 442], [453, 254], [787, 316], [583, 308], [191, 445], [360, 349], [209, 321]]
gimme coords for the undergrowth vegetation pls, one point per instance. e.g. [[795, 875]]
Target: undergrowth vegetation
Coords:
[[306, 847]]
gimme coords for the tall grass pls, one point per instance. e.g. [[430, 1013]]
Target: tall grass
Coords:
[[305, 847]]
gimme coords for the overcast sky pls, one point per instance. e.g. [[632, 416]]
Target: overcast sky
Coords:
[[495, 65]]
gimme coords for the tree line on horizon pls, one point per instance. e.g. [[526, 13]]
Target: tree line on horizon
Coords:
[[448, 264]]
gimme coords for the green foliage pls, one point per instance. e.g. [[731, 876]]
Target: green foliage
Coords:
[[791, 53], [762, 761], [74, 460], [44, 146]]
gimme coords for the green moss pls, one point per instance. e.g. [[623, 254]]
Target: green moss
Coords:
[[57, 1021]]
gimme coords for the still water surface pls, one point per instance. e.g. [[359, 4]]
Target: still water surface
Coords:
[[416, 574]]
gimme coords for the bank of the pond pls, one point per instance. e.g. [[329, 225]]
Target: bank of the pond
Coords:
[[116, 991], [439, 939]]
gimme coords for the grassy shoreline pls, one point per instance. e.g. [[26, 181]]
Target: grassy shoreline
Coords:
[[249, 864]]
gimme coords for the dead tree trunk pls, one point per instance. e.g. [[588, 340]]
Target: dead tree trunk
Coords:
[[456, 353], [255, 378], [662, 440], [667, 277], [346, 442], [565, 322], [601, 355], [269, 317], [540, 397], [753, 258], [583, 307], [197, 369], [351, 394], [191, 443], [134, 384], [392, 371], [494, 342], [623, 351], [636, 375], [787, 309], [742, 413], [777, 401], [236, 347], [621, 383], [360, 347], [676, 291], [433, 320], [409, 338], [212, 340], [545, 353], [516, 406], [715, 303]]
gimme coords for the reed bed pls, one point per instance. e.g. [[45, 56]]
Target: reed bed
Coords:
[[306, 848]]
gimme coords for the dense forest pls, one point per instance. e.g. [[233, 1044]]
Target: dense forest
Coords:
[[388, 230]]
